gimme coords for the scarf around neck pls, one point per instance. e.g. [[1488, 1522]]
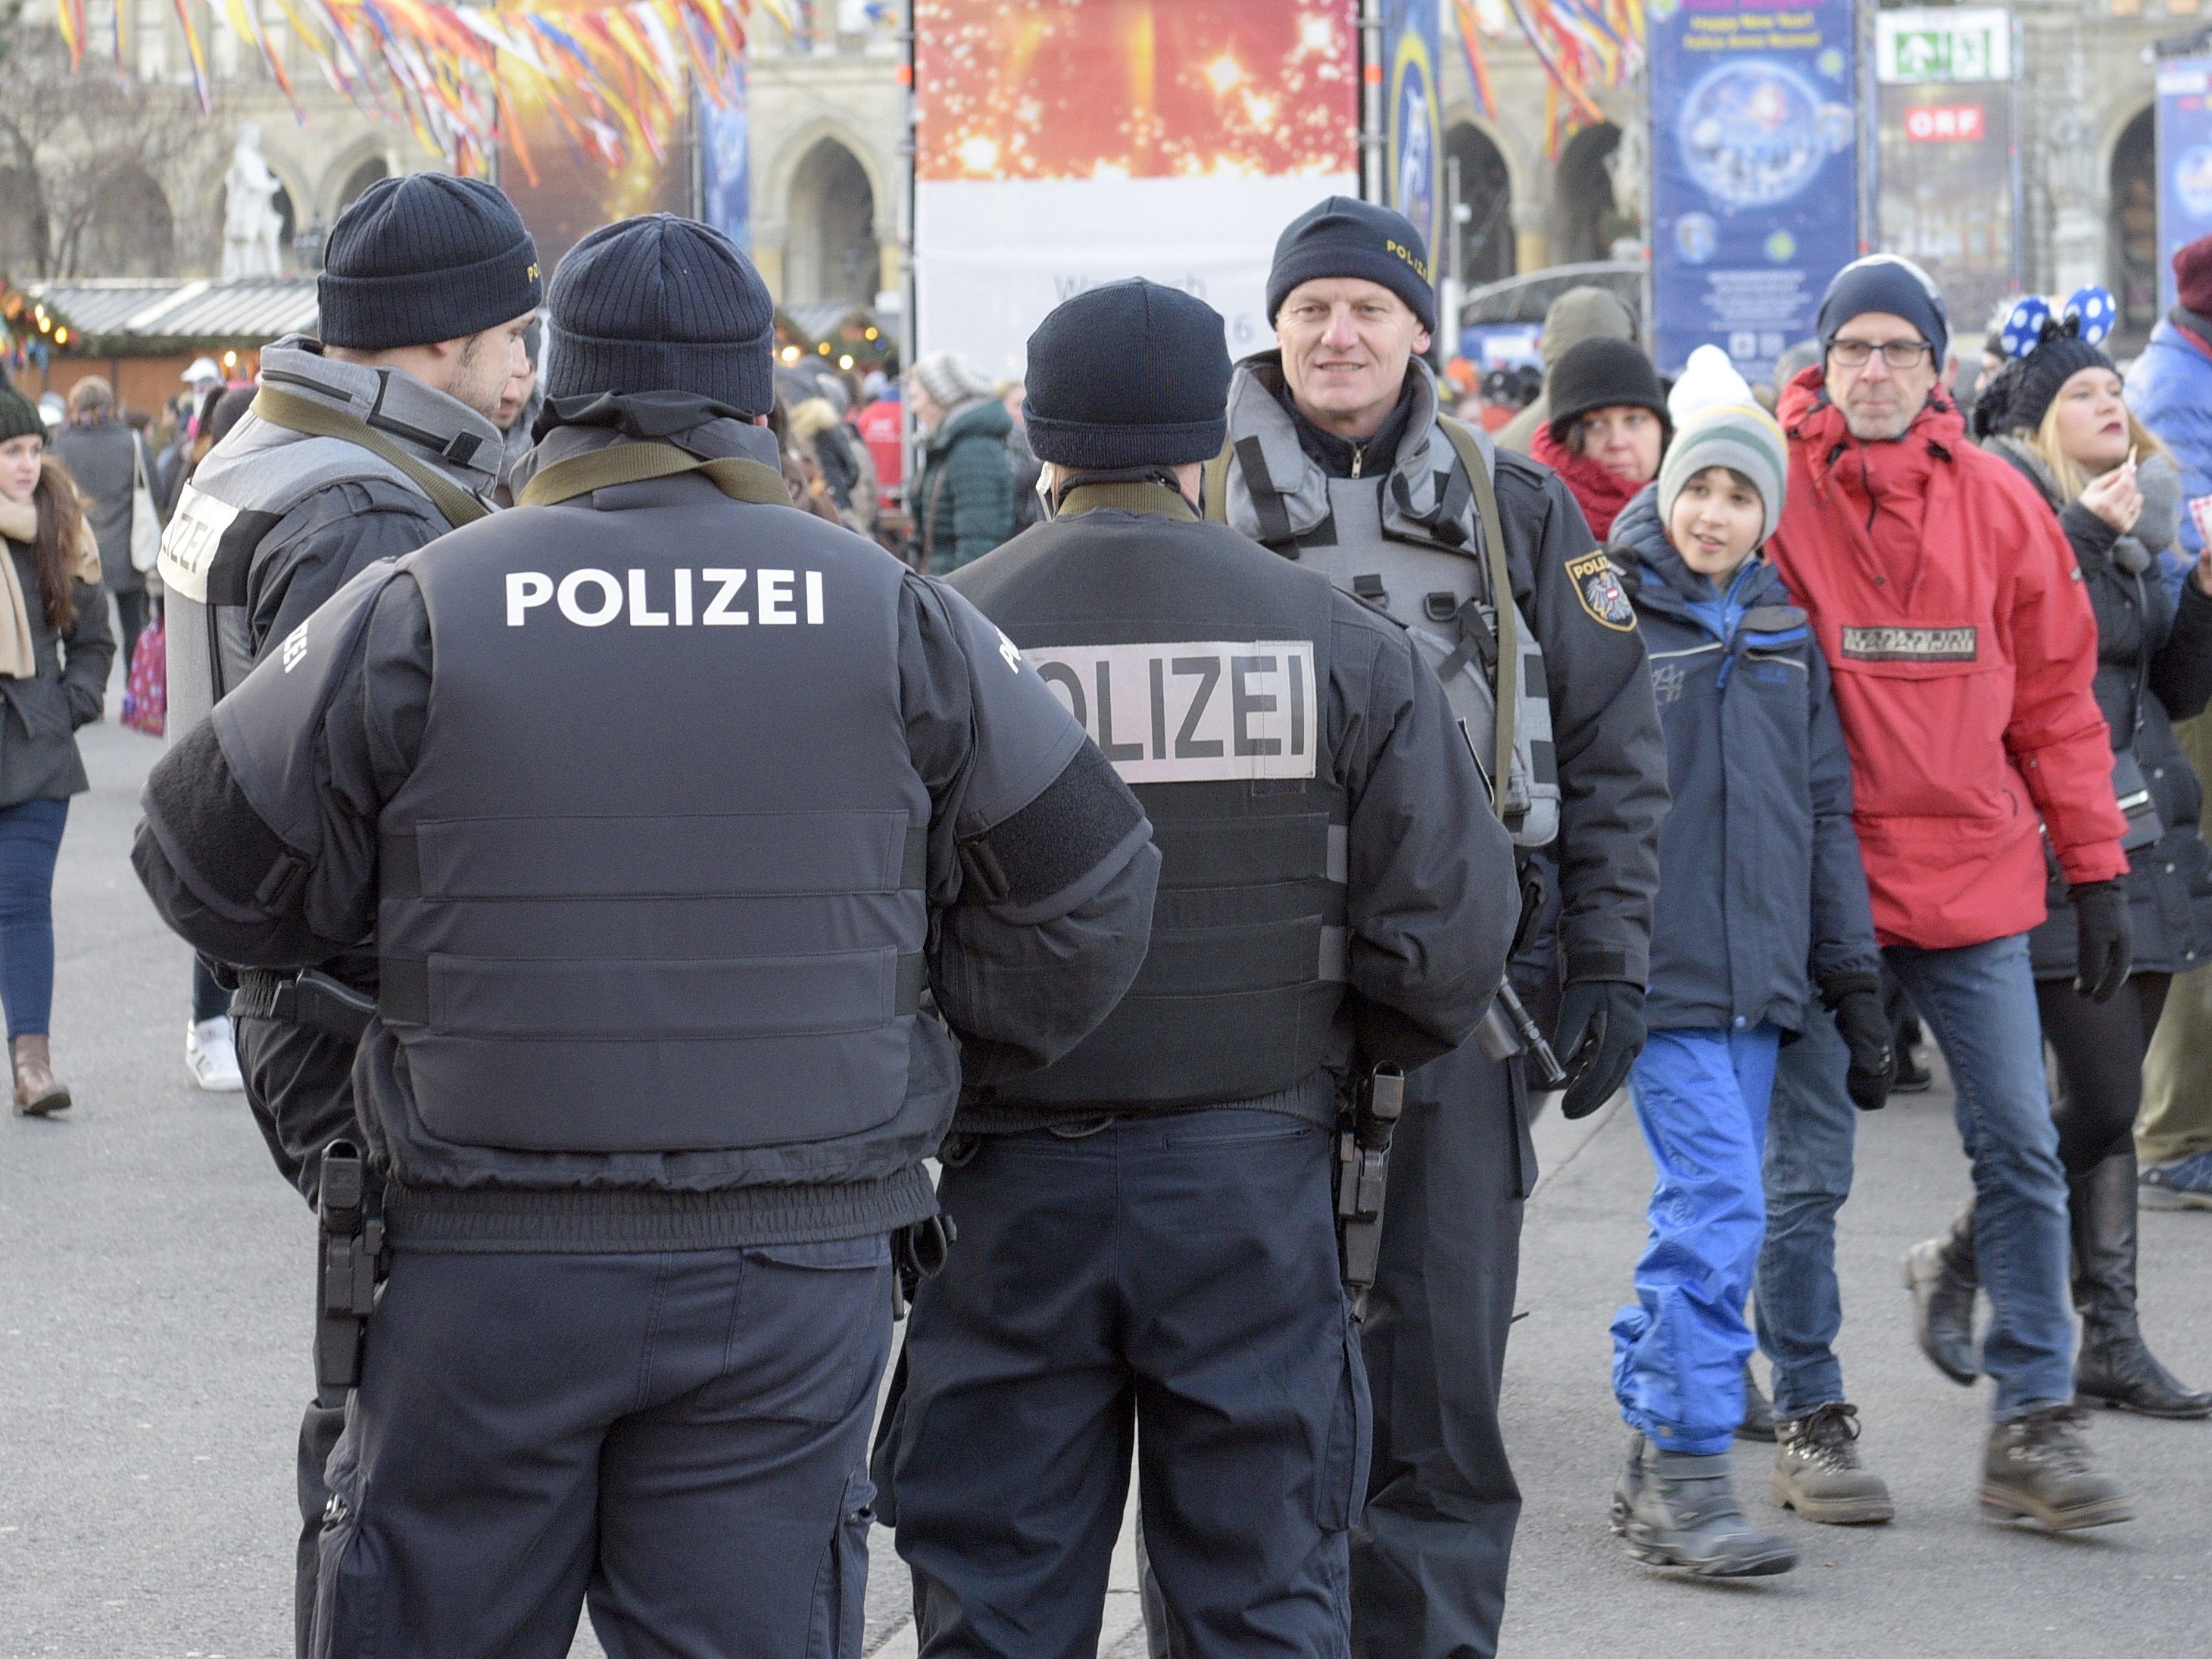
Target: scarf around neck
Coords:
[[19, 522]]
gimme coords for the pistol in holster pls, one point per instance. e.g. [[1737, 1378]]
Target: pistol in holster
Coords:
[[1362, 1173], [311, 998], [348, 1248]]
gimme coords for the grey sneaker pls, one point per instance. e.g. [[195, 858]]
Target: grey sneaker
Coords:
[[1817, 1473], [2184, 1184], [2038, 1467], [1685, 1515]]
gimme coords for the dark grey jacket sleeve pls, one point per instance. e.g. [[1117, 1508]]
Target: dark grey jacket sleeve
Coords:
[[325, 541], [1843, 916], [1432, 897], [1041, 867], [1610, 751]]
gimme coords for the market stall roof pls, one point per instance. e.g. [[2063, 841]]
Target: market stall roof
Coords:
[[821, 320], [130, 316]]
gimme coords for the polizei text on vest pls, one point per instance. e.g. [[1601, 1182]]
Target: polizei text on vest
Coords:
[[678, 598]]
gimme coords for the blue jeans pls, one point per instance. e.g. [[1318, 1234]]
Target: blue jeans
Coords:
[[1700, 1098], [30, 839], [1978, 1002]]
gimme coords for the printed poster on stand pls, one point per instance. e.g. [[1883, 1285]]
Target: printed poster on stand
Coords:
[[2185, 164]]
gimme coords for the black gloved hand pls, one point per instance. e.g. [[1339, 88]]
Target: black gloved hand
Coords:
[[2104, 939], [1864, 1023], [1601, 1031]]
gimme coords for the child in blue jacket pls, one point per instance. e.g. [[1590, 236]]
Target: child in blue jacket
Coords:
[[1762, 904]]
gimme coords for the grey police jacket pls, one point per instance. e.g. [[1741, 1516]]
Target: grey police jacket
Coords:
[[1198, 663], [228, 517], [1409, 544]]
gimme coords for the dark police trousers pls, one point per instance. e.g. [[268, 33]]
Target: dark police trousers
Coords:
[[1171, 1280], [1429, 1560], [679, 1437]]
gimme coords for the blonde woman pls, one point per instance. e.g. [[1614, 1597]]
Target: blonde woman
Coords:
[[55, 650], [2054, 412]]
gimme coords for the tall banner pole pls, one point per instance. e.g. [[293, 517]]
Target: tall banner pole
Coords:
[[910, 289]]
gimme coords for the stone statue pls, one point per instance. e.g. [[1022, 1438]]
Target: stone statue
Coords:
[[251, 228]]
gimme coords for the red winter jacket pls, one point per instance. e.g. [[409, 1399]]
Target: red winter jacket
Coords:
[[1963, 646]]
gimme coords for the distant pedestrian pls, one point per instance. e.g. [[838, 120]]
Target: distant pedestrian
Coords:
[[878, 423], [1580, 313], [105, 459], [55, 648], [1608, 426], [2057, 415], [963, 498], [1759, 833], [2170, 389]]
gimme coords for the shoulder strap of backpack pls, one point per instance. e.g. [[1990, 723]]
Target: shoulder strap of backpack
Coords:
[[1501, 598], [1215, 478], [304, 415]]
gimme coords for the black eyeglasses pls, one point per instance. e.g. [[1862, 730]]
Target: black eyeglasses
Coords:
[[1899, 354]]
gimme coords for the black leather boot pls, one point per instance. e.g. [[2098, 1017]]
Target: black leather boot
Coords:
[[1942, 1276], [2114, 1368]]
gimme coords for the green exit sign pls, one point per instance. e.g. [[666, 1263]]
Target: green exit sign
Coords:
[[1952, 43]]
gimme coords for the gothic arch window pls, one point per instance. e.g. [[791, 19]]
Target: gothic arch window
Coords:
[[131, 231], [2134, 225], [1588, 219], [831, 252], [360, 180], [1486, 249]]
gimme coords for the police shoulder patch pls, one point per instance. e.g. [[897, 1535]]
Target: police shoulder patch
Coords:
[[1597, 585]]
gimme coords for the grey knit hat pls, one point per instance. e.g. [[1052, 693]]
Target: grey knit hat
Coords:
[[662, 304], [425, 258], [950, 379], [1743, 437]]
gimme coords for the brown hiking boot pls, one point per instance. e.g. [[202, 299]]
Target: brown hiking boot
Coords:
[[2038, 1465], [1817, 1473], [37, 1094]]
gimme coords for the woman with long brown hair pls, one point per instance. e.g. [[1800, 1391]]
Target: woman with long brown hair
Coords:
[[55, 650]]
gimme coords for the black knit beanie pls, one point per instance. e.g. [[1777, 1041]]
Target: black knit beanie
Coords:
[[1600, 374], [1887, 283], [425, 258], [19, 415], [2034, 382], [662, 304], [1343, 238], [1129, 373]]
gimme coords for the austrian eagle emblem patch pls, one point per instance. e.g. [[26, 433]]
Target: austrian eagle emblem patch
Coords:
[[1598, 586]]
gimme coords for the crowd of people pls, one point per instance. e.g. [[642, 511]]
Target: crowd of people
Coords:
[[1792, 722]]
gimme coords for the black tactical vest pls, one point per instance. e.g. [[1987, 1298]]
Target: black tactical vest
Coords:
[[1198, 662], [656, 882]]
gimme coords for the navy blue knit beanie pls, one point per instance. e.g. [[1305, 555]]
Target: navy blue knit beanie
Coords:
[[662, 304], [1129, 373], [1343, 238], [425, 258], [1884, 282]]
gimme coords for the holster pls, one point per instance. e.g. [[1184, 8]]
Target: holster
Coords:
[[1363, 1174], [310, 999], [348, 1249]]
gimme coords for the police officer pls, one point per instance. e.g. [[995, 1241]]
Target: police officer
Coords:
[[1147, 1243], [360, 447], [1339, 457], [664, 805]]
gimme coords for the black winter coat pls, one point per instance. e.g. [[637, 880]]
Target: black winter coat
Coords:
[[2144, 639], [38, 758], [1762, 894]]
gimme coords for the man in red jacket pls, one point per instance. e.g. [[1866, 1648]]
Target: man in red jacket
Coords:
[[1963, 648]]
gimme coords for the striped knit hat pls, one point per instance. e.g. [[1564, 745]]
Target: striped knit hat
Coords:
[[1718, 422]]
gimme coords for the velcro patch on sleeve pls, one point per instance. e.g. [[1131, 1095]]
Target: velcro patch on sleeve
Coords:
[[1597, 585]]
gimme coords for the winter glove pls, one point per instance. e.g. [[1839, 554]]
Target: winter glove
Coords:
[[2104, 941], [1864, 1023], [1599, 1033]]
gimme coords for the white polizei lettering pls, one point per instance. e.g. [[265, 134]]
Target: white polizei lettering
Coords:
[[640, 614], [525, 590], [682, 599], [1192, 712], [814, 598], [773, 587], [719, 614], [608, 586]]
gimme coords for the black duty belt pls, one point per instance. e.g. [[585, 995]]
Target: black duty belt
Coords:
[[310, 999]]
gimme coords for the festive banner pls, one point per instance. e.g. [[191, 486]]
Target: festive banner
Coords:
[[2185, 164], [1412, 156], [565, 191], [1062, 146], [1755, 174], [726, 163], [1948, 172]]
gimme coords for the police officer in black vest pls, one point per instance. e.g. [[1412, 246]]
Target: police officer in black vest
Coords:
[[1147, 1245], [668, 808]]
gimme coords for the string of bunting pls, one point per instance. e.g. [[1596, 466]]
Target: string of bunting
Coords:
[[1581, 44], [614, 77]]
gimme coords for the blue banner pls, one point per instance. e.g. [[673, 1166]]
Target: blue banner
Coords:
[[726, 163], [2185, 164], [1412, 165], [1754, 171]]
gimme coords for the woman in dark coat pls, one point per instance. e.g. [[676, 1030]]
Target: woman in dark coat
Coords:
[[55, 650], [2056, 413]]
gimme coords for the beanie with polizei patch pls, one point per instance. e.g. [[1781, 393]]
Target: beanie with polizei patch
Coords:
[[1740, 436], [422, 259]]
